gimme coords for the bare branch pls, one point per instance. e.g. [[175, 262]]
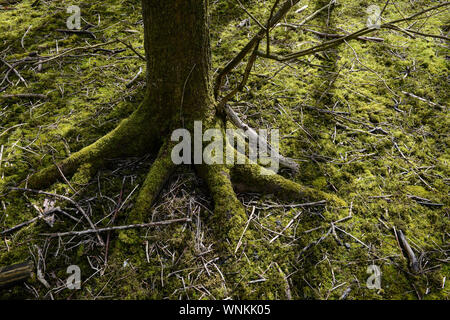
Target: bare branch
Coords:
[[131, 226], [251, 16], [268, 29], [234, 118], [241, 85], [355, 35], [287, 5]]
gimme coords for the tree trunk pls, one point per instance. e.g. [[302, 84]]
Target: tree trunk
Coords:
[[178, 57]]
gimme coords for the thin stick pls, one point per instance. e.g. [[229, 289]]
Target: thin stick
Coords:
[[50, 58], [251, 16], [129, 46], [26, 223], [78, 32], [310, 17], [287, 226], [23, 37], [287, 5], [64, 177], [248, 69], [422, 99], [24, 95], [413, 263], [352, 236], [333, 43], [268, 29], [131, 226], [130, 83], [15, 71], [245, 229], [331, 35], [1, 158]]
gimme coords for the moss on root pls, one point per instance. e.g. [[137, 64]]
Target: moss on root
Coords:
[[229, 214], [160, 171], [254, 178]]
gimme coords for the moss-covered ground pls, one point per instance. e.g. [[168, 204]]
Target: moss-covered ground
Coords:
[[350, 116]]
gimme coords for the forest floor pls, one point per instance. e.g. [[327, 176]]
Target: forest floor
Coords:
[[367, 121]]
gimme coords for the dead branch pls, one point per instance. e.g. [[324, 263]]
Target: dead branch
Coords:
[[413, 262], [26, 223], [287, 5], [234, 118], [89, 33], [335, 35], [131, 226], [241, 85], [334, 43], [24, 95], [422, 99], [51, 58], [311, 16], [268, 30], [130, 83], [15, 71], [251, 16], [129, 46]]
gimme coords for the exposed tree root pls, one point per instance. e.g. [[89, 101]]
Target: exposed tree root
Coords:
[[254, 178], [160, 171], [229, 213], [126, 139], [229, 221]]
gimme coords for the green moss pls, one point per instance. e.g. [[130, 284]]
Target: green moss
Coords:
[[87, 99]]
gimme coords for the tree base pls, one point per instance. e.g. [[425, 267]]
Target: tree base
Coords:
[[131, 138]]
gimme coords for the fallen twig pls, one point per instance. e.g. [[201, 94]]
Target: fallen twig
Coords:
[[413, 262], [335, 35], [51, 58], [245, 229], [26, 223], [129, 46], [67, 199], [424, 201], [251, 133], [15, 71], [285, 7], [130, 83], [422, 99], [131, 226], [24, 95]]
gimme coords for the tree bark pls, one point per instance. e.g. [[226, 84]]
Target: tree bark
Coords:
[[178, 58]]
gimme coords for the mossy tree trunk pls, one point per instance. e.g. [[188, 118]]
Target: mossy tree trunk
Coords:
[[178, 61]]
